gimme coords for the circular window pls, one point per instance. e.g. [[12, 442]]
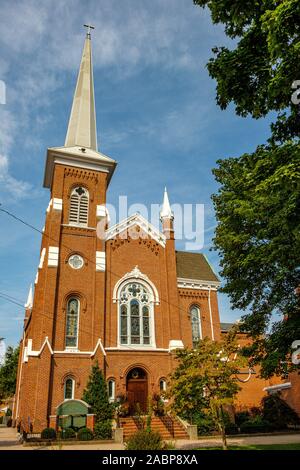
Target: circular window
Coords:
[[76, 261]]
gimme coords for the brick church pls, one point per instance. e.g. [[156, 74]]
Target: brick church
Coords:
[[128, 302]]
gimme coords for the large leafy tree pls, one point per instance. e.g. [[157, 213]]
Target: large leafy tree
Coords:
[[205, 379], [257, 73], [257, 205], [8, 373]]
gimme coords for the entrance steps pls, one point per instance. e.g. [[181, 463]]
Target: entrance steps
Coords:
[[169, 428]]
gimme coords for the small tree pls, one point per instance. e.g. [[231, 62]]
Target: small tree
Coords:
[[204, 379], [8, 373], [95, 394]]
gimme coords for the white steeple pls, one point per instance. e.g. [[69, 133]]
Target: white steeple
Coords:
[[166, 212], [82, 123], [29, 302]]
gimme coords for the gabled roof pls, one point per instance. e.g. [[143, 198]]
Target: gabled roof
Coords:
[[225, 327], [140, 221], [194, 266]]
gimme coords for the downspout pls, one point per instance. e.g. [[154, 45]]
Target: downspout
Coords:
[[210, 316]]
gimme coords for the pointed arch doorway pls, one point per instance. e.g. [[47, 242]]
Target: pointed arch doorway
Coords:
[[137, 390]]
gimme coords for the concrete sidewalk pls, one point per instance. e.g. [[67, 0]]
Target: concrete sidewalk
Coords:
[[241, 441], [9, 441]]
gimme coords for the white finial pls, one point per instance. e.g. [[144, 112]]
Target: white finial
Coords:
[[166, 212], [29, 302]]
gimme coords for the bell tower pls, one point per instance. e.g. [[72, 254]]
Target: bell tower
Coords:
[[64, 323]]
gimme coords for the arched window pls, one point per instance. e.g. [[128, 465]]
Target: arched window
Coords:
[[72, 323], [111, 390], [196, 325], [136, 315], [79, 206], [69, 388], [162, 385]]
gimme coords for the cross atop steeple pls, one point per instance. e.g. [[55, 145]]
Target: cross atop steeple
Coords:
[[89, 27]]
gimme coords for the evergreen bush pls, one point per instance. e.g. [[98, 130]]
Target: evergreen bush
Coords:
[[85, 434], [103, 430], [277, 412], [67, 433], [48, 433]]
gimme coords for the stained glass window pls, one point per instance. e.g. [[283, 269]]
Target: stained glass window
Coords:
[[196, 325], [135, 315], [69, 389], [72, 323]]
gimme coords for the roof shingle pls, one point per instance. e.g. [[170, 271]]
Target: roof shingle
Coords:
[[194, 266]]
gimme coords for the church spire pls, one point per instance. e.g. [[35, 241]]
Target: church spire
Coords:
[[82, 130], [166, 211]]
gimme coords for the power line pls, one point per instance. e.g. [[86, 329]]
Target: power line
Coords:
[[16, 301]]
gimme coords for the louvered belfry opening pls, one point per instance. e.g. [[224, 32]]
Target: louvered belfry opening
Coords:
[[79, 206]]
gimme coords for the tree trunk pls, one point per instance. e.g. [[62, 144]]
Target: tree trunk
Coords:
[[221, 425]]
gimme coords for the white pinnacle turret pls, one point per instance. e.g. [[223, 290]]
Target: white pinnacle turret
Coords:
[[29, 302], [166, 211]]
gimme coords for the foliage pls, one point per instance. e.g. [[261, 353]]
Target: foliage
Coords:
[[48, 433], [67, 433], [257, 73], [8, 373], [278, 413], [96, 395], [258, 204], [8, 412], [256, 424], [205, 423], [204, 379], [145, 440], [102, 430], [158, 405], [241, 417], [85, 434], [258, 238]]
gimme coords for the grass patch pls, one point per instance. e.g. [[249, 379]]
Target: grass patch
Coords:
[[257, 447]]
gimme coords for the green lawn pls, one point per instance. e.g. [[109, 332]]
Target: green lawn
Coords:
[[258, 447]]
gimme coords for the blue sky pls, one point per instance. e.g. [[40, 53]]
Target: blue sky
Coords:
[[156, 115]]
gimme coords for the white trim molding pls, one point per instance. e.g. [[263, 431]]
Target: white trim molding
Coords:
[[57, 204], [277, 388], [135, 349], [28, 352], [53, 253], [42, 258], [136, 276], [136, 219], [197, 284], [175, 344], [100, 260]]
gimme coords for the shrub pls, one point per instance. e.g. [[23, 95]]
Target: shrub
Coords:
[[67, 433], [85, 434], [231, 428], [256, 425], [145, 440], [8, 412], [205, 423], [103, 430], [241, 417], [48, 433], [277, 412]]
